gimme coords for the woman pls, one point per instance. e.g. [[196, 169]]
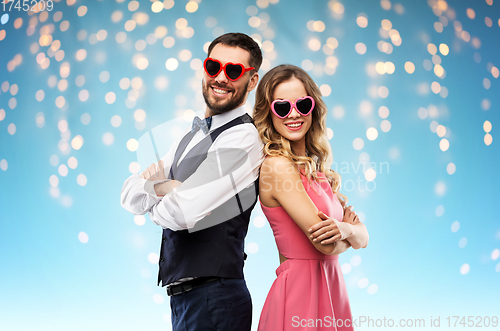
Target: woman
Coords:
[[296, 192]]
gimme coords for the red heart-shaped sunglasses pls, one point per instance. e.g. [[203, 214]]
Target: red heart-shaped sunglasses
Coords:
[[233, 71]]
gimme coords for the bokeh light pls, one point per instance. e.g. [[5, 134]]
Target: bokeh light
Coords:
[[407, 84]]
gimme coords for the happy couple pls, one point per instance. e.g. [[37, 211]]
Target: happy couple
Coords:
[[203, 190]]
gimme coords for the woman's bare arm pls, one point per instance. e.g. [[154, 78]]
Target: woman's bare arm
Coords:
[[281, 177], [359, 238], [341, 246]]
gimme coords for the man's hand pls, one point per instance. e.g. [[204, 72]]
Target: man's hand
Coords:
[[165, 188], [154, 172]]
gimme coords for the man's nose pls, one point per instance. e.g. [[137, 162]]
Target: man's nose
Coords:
[[221, 77]]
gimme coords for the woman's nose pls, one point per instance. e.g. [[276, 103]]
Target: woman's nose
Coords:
[[294, 113]]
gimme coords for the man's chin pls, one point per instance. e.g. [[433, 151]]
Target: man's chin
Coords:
[[222, 105], [219, 100], [218, 105]]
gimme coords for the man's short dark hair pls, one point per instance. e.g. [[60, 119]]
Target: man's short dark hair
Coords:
[[243, 41]]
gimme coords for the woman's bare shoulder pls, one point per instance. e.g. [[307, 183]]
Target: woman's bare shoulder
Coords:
[[276, 165]]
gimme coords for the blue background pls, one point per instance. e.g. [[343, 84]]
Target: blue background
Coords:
[[413, 266]]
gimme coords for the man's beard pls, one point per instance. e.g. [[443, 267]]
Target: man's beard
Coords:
[[231, 104]]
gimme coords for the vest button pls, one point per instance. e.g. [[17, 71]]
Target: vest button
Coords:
[[164, 239], [162, 260]]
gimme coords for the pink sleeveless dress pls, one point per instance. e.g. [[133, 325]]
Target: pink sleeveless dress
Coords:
[[309, 292]]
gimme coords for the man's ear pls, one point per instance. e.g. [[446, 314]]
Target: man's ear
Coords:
[[253, 82]]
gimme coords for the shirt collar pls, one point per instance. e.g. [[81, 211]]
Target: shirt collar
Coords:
[[221, 119]]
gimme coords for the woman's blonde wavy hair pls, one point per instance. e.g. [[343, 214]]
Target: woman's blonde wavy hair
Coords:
[[318, 150]]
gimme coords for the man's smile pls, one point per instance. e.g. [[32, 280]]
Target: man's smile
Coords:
[[220, 92]]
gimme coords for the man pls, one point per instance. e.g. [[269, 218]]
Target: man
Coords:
[[202, 193]]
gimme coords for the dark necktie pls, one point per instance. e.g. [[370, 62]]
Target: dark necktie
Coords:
[[204, 124]]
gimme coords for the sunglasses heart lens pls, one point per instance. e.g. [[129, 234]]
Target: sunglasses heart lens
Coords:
[[212, 67], [304, 106], [233, 71], [282, 108]]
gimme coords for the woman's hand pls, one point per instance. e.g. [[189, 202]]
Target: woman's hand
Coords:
[[329, 230], [349, 214], [360, 237]]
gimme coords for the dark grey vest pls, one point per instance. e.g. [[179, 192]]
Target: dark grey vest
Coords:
[[216, 250]]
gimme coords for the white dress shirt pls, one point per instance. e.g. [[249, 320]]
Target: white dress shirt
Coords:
[[193, 200]]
